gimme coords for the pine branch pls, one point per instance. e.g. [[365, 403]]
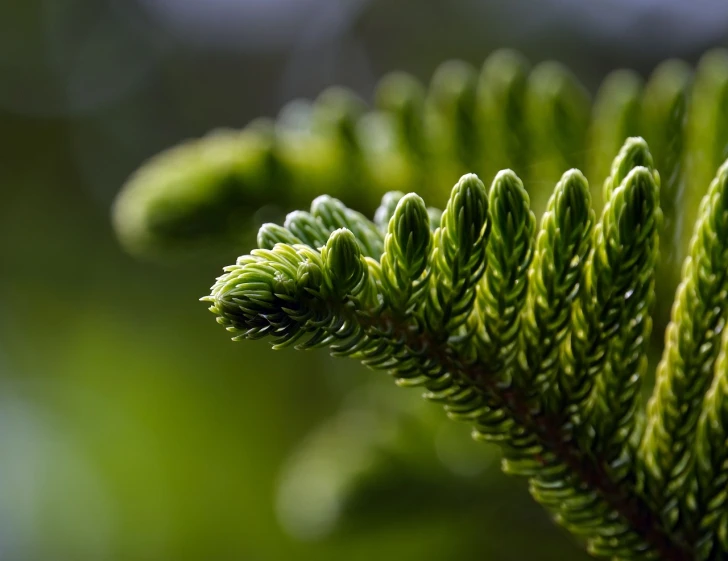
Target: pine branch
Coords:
[[618, 266], [503, 291], [562, 245], [711, 469], [535, 335], [458, 257], [692, 344], [544, 384]]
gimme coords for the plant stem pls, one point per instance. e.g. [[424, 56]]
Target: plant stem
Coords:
[[549, 430]]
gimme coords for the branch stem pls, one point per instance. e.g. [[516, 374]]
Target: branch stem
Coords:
[[549, 429]]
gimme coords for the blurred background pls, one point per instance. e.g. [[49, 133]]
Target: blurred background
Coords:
[[131, 428]]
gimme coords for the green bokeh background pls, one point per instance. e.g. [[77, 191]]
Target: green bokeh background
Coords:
[[131, 428]]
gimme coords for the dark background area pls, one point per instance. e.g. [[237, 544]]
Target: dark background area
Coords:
[[131, 428]]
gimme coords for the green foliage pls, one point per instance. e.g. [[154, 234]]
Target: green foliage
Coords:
[[686, 371], [504, 287], [665, 118], [407, 246], [557, 119], [665, 114], [538, 122], [616, 280], [501, 104], [615, 117], [548, 358], [561, 248], [538, 333], [457, 259]]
